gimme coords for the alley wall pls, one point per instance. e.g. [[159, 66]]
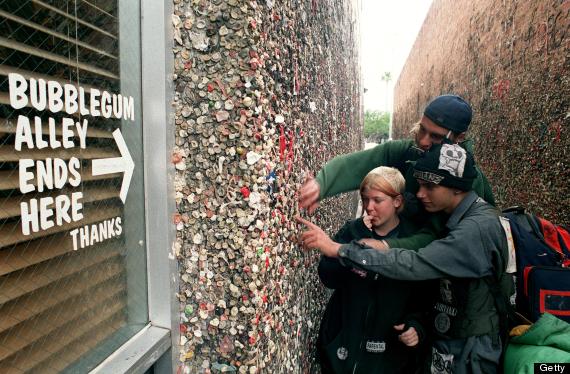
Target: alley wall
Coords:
[[266, 92], [509, 59]]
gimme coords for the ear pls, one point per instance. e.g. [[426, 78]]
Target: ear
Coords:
[[398, 201]]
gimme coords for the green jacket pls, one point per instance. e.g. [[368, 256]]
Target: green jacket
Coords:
[[548, 340], [346, 172]]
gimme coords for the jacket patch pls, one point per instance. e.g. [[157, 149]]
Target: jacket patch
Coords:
[[375, 347], [442, 323], [441, 363], [448, 309], [446, 291], [360, 273], [452, 158], [342, 353]]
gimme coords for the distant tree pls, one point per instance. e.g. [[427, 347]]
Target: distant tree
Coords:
[[376, 125], [386, 78]]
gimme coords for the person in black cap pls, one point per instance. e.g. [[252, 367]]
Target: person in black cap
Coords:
[[446, 119], [467, 262]]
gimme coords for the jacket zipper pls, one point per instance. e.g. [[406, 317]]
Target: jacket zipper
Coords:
[[365, 325]]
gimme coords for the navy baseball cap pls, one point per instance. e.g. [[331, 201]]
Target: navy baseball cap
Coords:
[[450, 112]]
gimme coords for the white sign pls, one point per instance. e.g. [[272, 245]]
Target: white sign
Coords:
[[55, 173]]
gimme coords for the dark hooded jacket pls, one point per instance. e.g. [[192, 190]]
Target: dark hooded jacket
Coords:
[[357, 333]]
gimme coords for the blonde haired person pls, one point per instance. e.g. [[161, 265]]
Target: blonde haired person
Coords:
[[389, 182], [371, 325]]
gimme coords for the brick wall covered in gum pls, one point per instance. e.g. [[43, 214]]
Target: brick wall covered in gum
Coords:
[[264, 91], [510, 60]]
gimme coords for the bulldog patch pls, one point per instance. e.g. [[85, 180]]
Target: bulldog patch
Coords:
[[452, 158]]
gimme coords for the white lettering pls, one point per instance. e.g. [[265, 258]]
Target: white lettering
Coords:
[[49, 174], [106, 107], [82, 109], [70, 93], [53, 142], [66, 133], [95, 102], [76, 206], [82, 133], [75, 178], [128, 107], [103, 233], [111, 225], [446, 309], [95, 233], [73, 233], [55, 103], [62, 204], [56, 97], [25, 175], [46, 212], [118, 226], [40, 142], [59, 172], [117, 106], [23, 133], [44, 173], [17, 85], [38, 94], [29, 216], [84, 236]]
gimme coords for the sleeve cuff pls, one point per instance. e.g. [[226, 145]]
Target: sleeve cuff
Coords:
[[342, 255]]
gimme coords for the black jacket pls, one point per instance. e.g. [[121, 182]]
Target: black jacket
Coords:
[[356, 333]]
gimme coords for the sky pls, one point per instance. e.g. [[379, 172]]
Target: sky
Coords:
[[389, 29]]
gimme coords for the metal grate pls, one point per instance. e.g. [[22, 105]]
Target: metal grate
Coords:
[[57, 304]]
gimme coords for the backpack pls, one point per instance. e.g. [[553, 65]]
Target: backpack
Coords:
[[542, 276]]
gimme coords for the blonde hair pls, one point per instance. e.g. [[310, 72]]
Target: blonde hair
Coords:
[[386, 180], [415, 129]]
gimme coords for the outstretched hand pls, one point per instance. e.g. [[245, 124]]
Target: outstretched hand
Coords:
[[309, 194], [315, 237]]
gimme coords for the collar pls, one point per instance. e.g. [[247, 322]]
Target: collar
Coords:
[[461, 209], [392, 234]]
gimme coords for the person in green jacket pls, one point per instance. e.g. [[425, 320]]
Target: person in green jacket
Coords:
[[546, 341], [446, 119]]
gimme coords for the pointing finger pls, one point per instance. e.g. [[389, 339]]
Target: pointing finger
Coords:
[[305, 222]]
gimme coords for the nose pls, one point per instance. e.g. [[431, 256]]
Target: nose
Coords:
[[421, 193], [424, 141], [369, 206]]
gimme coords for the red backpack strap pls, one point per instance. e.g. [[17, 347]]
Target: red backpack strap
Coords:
[[564, 236], [564, 239], [550, 234]]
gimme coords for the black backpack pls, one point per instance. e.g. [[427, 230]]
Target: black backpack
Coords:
[[542, 265], [542, 274]]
